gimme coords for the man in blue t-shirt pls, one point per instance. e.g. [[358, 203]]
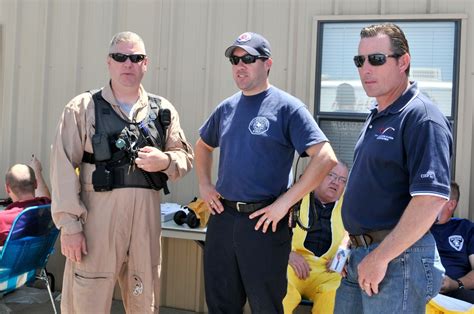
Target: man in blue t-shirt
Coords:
[[455, 241], [397, 186], [257, 131]]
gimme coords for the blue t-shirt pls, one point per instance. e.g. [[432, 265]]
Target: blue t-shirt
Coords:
[[455, 242], [403, 151], [257, 136]]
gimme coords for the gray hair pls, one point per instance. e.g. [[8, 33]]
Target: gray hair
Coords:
[[127, 37], [343, 163]]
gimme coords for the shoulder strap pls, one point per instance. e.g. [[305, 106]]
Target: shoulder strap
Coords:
[[162, 120], [96, 97]]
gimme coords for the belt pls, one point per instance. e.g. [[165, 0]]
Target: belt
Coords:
[[243, 207], [368, 238]]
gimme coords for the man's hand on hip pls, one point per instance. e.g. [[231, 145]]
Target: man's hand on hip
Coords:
[[212, 198], [73, 246], [268, 217]]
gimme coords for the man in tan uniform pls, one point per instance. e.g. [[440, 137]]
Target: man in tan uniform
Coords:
[[109, 214]]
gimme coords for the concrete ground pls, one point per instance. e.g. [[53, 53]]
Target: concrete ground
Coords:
[[29, 300], [46, 308], [41, 304], [117, 308]]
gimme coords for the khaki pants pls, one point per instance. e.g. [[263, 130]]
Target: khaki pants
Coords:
[[122, 231]]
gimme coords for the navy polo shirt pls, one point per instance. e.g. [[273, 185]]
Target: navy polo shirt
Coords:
[[402, 151]]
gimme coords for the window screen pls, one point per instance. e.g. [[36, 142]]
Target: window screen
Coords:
[[343, 136]]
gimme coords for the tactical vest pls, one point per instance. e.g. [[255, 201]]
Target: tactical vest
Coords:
[[116, 143]]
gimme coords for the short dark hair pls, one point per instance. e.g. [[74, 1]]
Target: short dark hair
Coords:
[[455, 192], [21, 184], [399, 43]]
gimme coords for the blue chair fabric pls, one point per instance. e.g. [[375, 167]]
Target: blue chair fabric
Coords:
[[26, 250]]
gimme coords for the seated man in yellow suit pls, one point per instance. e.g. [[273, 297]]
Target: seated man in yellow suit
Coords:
[[311, 251]]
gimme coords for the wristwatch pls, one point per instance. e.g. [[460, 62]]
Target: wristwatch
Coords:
[[460, 284]]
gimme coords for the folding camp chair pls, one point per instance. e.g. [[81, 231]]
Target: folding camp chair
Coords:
[[26, 250]]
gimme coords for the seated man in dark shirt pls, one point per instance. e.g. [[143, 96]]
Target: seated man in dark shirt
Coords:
[[26, 187], [455, 241], [311, 251]]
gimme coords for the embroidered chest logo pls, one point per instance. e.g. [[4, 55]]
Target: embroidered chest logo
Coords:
[[259, 125], [386, 134], [456, 242]]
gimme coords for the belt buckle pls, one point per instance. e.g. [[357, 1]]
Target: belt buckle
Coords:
[[238, 205]]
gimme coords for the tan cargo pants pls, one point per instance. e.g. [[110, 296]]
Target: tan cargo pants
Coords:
[[122, 231]]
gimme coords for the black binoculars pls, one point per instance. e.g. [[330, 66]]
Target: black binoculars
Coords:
[[191, 219]]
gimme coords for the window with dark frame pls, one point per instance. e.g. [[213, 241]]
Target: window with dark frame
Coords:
[[341, 105]]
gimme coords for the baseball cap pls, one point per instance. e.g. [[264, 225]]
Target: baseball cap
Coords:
[[253, 43]]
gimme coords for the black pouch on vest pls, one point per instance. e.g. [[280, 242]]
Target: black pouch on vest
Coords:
[[102, 179], [100, 145]]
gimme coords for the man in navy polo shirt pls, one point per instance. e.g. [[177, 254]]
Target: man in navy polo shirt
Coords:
[[455, 241], [257, 131], [398, 184]]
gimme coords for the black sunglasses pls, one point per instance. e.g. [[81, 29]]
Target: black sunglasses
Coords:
[[247, 59], [375, 59], [120, 57]]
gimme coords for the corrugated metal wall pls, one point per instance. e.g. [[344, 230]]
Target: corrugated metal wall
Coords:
[[51, 50]]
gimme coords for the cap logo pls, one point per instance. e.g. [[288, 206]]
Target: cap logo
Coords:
[[244, 37]]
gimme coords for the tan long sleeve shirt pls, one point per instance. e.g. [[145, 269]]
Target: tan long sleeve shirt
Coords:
[[73, 136]]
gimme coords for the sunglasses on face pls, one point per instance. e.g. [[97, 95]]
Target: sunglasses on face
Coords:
[[375, 59], [120, 57], [247, 59]]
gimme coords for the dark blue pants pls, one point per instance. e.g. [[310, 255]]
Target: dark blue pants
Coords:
[[241, 263]]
